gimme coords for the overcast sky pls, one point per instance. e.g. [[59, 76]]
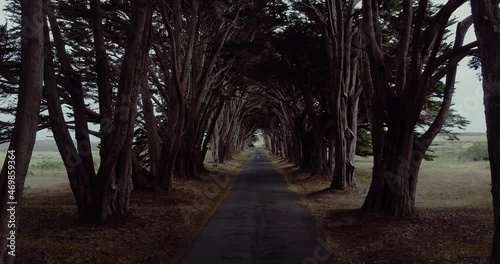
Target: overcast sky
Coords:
[[468, 98]]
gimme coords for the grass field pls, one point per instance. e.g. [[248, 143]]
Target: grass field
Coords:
[[454, 222], [46, 171]]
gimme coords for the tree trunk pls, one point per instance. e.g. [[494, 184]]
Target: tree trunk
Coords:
[[139, 180], [103, 76], [306, 164], [16, 164], [166, 178], [486, 15], [345, 137], [78, 159], [73, 85], [342, 57], [115, 181], [210, 132], [343, 173], [79, 174], [151, 130], [317, 159], [394, 110], [215, 146], [393, 186]]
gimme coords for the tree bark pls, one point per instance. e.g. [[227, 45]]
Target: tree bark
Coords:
[[139, 180], [393, 186], [151, 130], [79, 175], [115, 171], [210, 131], [394, 111], [103, 76], [307, 150], [73, 85], [486, 15], [342, 58], [21, 146]]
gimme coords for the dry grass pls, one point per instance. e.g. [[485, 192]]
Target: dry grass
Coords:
[[454, 222], [160, 228]]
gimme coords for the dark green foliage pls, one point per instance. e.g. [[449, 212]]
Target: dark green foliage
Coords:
[[364, 145], [430, 157], [431, 109]]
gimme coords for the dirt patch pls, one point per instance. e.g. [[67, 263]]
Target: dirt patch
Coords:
[[160, 229]]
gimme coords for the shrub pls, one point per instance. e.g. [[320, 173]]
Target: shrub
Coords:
[[364, 143], [478, 151], [49, 165]]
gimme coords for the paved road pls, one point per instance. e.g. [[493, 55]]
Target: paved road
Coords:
[[259, 222]]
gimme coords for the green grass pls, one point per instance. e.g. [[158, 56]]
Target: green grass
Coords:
[[446, 150], [48, 160]]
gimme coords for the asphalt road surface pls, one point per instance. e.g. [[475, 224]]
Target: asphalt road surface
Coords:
[[259, 222]]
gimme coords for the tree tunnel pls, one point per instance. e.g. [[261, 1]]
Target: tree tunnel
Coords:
[[160, 84]]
